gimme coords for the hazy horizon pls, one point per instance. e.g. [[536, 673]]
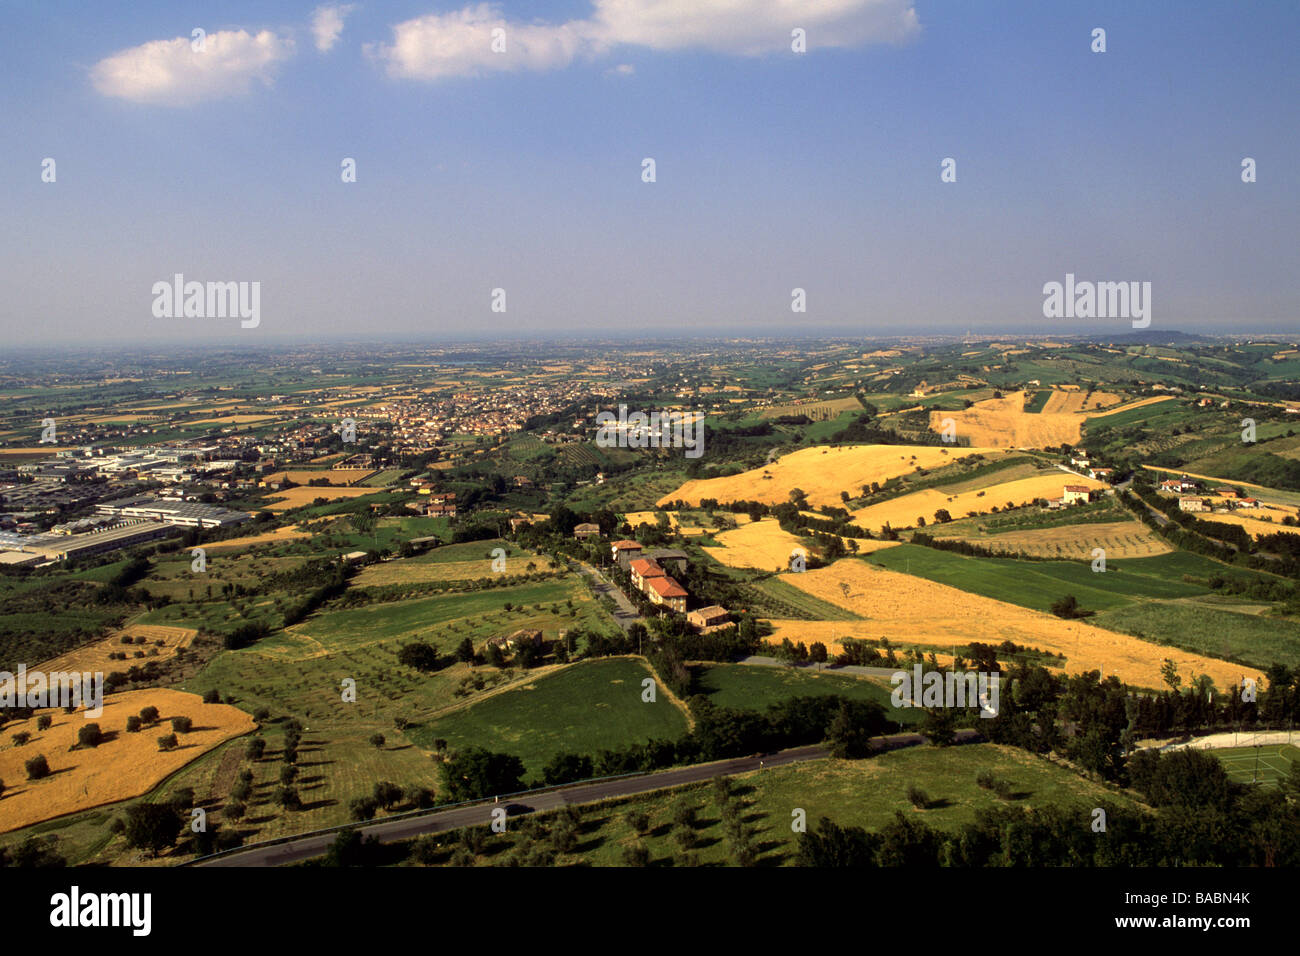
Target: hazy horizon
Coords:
[[522, 170]]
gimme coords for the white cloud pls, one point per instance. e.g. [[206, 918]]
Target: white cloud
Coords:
[[327, 24], [750, 27], [171, 73], [460, 43], [623, 69]]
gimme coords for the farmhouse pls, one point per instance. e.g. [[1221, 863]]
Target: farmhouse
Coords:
[[517, 639], [1193, 504], [643, 569], [442, 504], [622, 552], [1248, 503], [708, 619], [1076, 493], [587, 530], [664, 590], [1101, 474], [1179, 485]]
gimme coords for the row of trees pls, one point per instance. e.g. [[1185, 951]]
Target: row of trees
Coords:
[[1203, 819]]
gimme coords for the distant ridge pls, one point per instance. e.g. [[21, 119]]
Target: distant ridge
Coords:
[[1152, 337]]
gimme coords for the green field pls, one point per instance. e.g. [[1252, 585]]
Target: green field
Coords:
[[780, 599], [864, 793], [1248, 638], [1036, 584], [1269, 763], [1038, 401], [751, 687], [585, 708]]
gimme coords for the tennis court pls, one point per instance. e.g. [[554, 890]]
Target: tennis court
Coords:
[[1271, 762]]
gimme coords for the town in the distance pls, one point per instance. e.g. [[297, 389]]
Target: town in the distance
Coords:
[[744, 602]]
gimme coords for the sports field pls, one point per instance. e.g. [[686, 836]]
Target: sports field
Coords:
[[1269, 763]]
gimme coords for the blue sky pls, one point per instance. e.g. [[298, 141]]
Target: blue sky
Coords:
[[522, 170]]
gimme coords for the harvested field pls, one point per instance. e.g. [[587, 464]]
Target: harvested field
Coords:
[[910, 610], [821, 472], [336, 477], [1004, 423], [902, 512], [817, 411], [1072, 402], [1119, 539], [287, 533], [761, 545], [1258, 523], [94, 656], [297, 497], [764, 546], [233, 420], [123, 766]]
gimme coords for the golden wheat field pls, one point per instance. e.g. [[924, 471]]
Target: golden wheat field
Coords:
[[279, 535], [761, 545], [764, 546], [821, 472], [1119, 539], [1257, 524], [124, 766], [910, 610], [95, 655], [1004, 423], [302, 495], [1071, 402], [903, 512], [336, 477]]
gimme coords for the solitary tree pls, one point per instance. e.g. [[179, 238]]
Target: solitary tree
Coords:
[[152, 826]]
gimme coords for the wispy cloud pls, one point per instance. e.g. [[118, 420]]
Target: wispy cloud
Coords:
[[327, 24], [173, 73], [461, 43]]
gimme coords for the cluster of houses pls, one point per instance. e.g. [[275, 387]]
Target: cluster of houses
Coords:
[[1191, 498], [1071, 495], [649, 570], [1083, 461]]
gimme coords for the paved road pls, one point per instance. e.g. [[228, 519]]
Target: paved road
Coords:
[[625, 612], [760, 660], [480, 814]]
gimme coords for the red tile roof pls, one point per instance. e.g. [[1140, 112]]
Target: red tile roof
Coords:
[[646, 568], [666, 587]]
